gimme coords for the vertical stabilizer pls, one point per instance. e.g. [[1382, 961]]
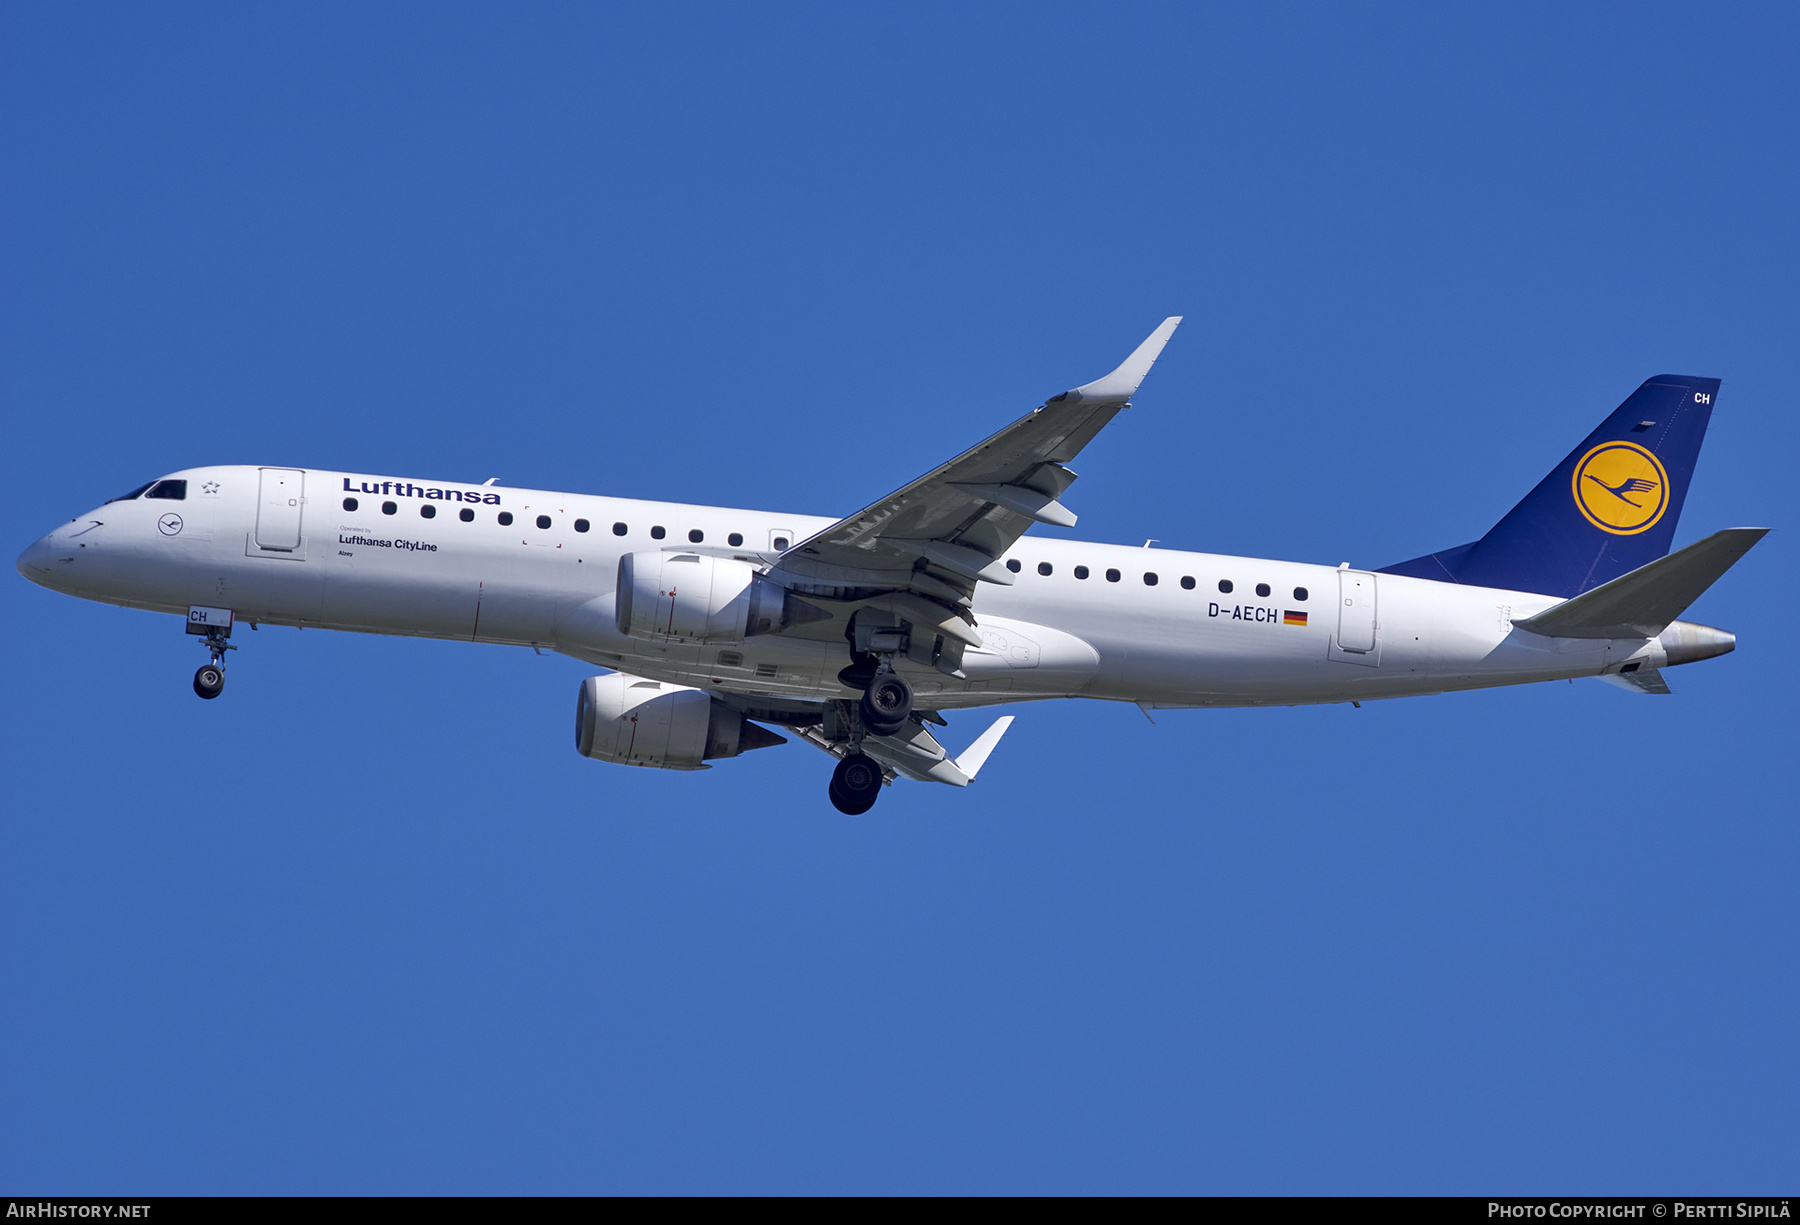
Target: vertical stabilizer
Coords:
[[1608, 508]]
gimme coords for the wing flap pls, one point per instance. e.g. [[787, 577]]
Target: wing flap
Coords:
[[1033, 503]]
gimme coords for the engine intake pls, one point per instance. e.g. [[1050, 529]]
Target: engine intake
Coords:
[[636, 722], [689, 597]]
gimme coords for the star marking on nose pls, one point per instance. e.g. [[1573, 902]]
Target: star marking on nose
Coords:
[[210, 487]]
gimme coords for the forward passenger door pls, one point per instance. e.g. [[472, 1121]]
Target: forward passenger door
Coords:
[[279, 506]]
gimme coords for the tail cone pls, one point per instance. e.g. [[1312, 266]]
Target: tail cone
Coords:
[[1686, 642]]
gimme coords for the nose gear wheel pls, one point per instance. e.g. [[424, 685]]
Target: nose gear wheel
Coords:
[[209, 681]]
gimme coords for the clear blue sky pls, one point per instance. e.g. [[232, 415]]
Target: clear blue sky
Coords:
[[368, 924]]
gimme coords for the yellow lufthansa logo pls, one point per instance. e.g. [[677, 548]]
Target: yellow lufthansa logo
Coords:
[[1621, 488]]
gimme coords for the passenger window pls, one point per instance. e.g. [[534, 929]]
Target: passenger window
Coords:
[[505, 517], [388, 508], [428, 511], [1300, 593], [696, 536], [349, 503], [781, 542], [582, 525], [1149, 578], [1044, 568], [1081, 571], [658, 532], [1187, 582], [1013, 566], [1262, 589], [1225, 585], [619, 529], [466, 515], [173, 491], [735, 540], [543, 522], [1112, 576]]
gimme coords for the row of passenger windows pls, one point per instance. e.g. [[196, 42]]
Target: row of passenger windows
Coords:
[[428, 510], [1151, 579], [736, 540]]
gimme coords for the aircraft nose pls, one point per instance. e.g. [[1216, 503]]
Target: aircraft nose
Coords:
[[34, 563]]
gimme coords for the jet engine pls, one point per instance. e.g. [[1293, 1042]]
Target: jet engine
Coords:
[[689, 597], [637, 722]]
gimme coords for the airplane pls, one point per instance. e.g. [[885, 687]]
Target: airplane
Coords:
[[857, 634]]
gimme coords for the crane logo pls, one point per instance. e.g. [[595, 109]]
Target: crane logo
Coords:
[[1621, 488]]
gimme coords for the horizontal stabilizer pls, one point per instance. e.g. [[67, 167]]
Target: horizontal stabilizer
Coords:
[[1644, 680], [1641, 604], [976, 755]]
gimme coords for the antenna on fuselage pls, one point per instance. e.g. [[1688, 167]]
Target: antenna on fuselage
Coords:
[[490, 480]]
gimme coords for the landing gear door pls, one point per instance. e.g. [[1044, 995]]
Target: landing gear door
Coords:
[[278, 509], [1356, 611]]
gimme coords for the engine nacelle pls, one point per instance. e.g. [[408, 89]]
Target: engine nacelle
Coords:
[[689, 597], [637, 722]]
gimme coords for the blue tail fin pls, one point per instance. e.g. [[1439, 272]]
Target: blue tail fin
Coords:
[[1607, 509]]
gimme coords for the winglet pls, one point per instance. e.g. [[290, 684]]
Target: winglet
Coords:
[[1123, 383], [976, 754]]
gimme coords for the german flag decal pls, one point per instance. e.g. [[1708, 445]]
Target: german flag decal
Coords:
[[1293, 618]]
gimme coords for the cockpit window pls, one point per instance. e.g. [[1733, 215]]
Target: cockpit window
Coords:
[[135, 493], [174, 491]]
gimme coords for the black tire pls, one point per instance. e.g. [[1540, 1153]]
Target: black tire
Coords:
[[860, 672], [844, 804], [209, 681], [855, 785], [886, 704]]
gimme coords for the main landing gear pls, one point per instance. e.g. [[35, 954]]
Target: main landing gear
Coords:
[[887, 700], [886, 704], [855, 785], [885, 708]]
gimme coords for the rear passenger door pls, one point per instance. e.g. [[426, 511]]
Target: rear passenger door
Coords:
[[1356, 611]]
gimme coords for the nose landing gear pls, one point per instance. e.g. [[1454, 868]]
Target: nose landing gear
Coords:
[[215, 625]]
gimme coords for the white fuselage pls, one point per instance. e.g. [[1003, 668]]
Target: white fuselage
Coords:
[[1177, 639]]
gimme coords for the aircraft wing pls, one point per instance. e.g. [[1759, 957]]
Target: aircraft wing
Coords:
[[945, 532]]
